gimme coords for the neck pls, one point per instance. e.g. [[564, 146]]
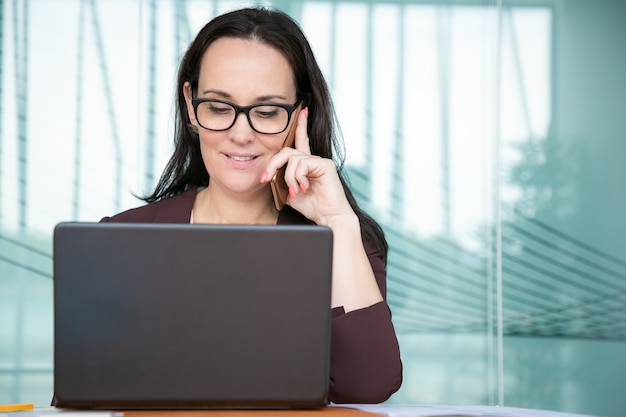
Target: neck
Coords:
[[214, 207]]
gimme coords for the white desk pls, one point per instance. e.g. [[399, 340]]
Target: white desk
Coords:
[[354, 410]]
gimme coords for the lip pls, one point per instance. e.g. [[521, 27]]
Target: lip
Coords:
[[241, 161]]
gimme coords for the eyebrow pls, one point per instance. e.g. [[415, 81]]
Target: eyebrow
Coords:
[[224, 94]]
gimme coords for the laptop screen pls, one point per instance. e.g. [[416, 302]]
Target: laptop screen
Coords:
[[191, 316]]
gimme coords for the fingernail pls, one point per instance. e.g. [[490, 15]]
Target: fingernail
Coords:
[[292, 192], [263, 176], [302, 188], [306, 111]]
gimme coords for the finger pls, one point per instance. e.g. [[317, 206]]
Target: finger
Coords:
[[303, 169], [302, 138], [292, 167], [280, 159]]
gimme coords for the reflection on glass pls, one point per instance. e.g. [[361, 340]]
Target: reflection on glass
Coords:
[[455, 117]]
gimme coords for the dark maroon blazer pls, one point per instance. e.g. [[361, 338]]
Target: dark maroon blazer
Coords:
[[365, 365]]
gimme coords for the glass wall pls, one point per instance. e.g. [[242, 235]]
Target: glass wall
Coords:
[[487, 137]]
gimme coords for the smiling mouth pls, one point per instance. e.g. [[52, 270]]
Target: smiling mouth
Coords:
[[241, 158]]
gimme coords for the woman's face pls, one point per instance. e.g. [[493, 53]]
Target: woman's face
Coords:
[[242, 72]]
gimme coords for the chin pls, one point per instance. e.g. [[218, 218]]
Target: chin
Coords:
[[246, 189]]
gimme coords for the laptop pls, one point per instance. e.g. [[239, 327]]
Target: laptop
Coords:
[[173, 316]]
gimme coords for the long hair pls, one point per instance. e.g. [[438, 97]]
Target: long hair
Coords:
[[276, 29]]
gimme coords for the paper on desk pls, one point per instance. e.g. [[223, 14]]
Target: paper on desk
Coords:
[[394, 410], [59, 412]]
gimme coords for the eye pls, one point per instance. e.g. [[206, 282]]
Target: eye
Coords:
[[267, 112], [218, 108]]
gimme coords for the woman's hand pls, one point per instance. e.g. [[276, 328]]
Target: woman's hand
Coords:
[[314, 186], [316, 191]]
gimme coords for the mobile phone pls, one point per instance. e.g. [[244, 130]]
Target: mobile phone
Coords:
[[280, 189]]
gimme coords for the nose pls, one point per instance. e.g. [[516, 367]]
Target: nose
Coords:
[[241, 131]]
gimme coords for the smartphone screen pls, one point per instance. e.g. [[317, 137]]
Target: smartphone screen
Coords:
[[280, 190]]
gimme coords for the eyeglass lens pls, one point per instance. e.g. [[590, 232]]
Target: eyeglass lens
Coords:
[[264, 118]]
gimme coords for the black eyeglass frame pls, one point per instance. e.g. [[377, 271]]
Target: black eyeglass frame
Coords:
[[195, 102]]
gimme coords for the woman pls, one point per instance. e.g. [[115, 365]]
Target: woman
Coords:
[[239, 84]]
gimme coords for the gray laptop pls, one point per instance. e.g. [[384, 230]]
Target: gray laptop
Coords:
[[164, 316]]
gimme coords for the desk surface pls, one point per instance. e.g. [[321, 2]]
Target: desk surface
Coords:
[[352, 410]]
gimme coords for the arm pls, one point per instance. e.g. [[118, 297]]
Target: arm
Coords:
[[354, 283], [365, 356]]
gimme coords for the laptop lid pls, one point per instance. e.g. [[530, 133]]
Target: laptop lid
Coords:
[[191, 316]]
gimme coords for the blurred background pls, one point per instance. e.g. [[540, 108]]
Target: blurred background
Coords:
[[487, 137]]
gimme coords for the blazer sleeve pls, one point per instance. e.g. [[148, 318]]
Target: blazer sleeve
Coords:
[[365, 364]]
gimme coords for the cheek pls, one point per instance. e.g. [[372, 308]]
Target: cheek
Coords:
[[209, 140], [273, 143], [208, 145]]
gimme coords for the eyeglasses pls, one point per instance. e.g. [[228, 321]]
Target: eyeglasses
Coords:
[[219, 115]]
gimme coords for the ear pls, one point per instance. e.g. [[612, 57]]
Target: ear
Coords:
[[190, 112]]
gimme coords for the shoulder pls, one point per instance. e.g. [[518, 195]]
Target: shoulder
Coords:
[[175, 209]]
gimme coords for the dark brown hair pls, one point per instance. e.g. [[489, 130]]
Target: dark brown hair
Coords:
[[276, 29]]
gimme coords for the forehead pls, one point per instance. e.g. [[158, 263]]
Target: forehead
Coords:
[[244, 68]]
